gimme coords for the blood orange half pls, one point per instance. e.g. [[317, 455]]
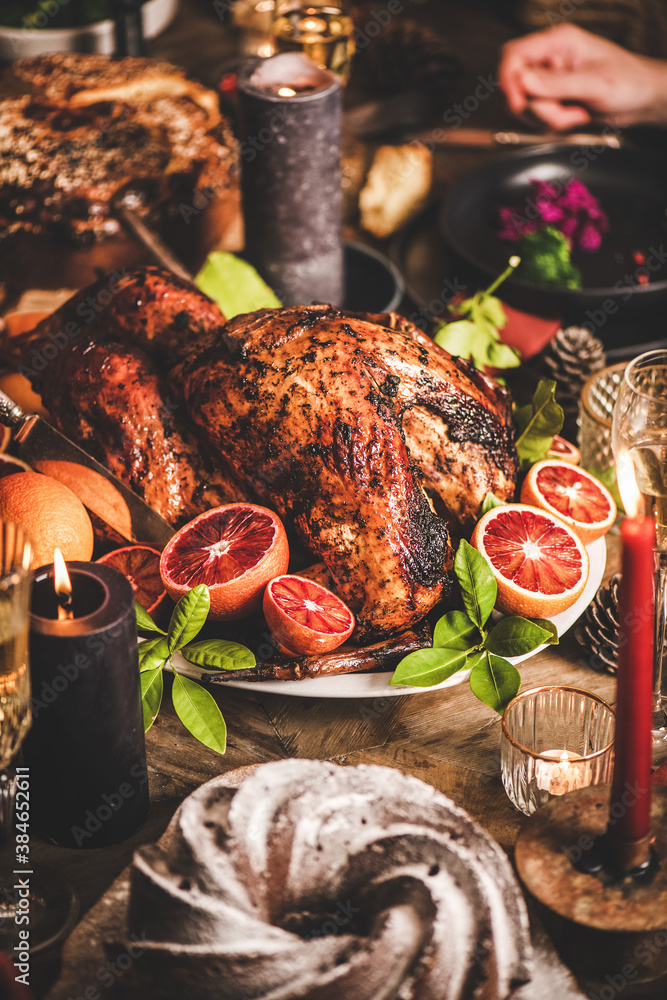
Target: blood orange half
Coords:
[[306, 617], [540, 565], [564, 450], [141, 565], [572, 494], [235, 550]]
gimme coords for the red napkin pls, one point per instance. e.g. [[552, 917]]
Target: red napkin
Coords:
[[523, 331], [659, 777], [9, 988], [528, 334]]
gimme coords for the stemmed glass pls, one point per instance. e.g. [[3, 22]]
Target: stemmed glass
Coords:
[[639, 437], [48, 899]]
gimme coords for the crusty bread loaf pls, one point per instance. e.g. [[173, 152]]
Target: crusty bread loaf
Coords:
[[397, 186]]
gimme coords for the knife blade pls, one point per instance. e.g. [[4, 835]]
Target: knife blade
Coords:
[[480, 138], [49, 451], [401, 118]]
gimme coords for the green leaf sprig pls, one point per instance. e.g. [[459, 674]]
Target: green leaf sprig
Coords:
[[464, 639], [474, 334], [536, 424], [194, 705], [234, 284]]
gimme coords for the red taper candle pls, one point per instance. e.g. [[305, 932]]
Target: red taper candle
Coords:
[[630, 811]]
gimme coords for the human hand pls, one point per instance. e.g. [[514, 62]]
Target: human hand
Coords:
[[568, 77]]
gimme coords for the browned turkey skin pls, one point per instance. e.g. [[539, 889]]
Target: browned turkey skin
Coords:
[[353, 428], [149, 308], [308, 406], [108, 396]]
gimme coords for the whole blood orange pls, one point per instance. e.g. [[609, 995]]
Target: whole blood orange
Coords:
[[51, 515], [235, 550], [564, 450], [306, 617], [539, 564], [141, 565], [573, 495]]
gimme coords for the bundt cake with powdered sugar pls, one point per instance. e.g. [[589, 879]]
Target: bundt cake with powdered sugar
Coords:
[[313, 880]]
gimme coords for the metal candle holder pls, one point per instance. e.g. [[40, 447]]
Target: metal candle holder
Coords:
[[606, 920]]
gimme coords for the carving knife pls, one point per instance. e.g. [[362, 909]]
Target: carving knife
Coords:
[[49, 451]]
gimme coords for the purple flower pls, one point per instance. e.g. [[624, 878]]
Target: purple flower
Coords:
[[550, 211], [572, 209], [590, 238]]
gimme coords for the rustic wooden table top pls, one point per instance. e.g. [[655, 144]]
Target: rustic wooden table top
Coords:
[[446, 738]]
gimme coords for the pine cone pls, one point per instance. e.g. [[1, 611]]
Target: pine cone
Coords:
[[406, 55], [571, 358], [597, 632]]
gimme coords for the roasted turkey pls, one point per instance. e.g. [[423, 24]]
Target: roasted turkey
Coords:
[[369, 440], [309, 407], [98, 364]]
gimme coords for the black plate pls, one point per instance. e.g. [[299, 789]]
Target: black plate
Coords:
[[631, 186]]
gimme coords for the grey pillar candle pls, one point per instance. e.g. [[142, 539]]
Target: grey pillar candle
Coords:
[[291, 182]]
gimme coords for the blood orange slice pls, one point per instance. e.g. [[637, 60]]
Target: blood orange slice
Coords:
[[539, 563], [235, 550], [564, 450], [141, 565], [572, 494], [306, 617]]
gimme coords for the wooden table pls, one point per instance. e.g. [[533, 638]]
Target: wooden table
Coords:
[[446, 738]]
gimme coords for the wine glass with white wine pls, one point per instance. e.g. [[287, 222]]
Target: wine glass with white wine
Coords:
[[34, 917], [639, 436]]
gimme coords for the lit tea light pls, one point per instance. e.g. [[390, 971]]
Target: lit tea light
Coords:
[[63, 587], [286, 92], [563, 775], [314, 24]]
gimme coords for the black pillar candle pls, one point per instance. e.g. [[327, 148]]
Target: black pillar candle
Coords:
[[86, 750], [290, 113]]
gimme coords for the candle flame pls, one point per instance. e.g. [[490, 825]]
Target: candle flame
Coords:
[[633, 502], [565, 756], [286, 92], [61, 578], [63, 586]]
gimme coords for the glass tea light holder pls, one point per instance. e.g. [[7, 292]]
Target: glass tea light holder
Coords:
[[322, 31], [253, 19], [596, 406], [554, 740]]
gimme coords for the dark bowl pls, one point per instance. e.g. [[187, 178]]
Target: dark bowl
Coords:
[[372, 282], [631, 186]]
